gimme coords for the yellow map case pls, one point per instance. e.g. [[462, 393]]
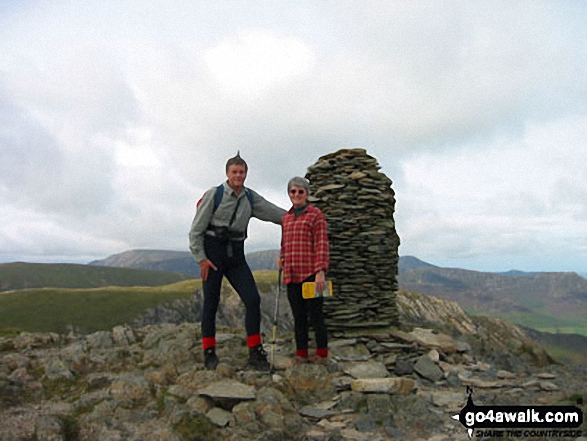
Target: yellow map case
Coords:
[[308, 291]]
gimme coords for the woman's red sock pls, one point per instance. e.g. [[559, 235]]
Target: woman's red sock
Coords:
[[322, 352]]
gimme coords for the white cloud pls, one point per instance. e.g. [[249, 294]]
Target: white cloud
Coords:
[[522, 196], [255, 61], [31, 235], [115, 117]]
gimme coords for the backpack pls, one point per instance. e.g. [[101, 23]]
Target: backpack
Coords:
[[218, 197]]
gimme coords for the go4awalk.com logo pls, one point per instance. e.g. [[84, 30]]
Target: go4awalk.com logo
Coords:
[[520, 421]]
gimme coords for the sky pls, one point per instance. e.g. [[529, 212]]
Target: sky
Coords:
[[116, 116]]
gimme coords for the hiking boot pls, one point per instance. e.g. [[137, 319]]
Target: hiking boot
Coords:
[[210, 358], [297, 360], [320, 360], [258, 358]]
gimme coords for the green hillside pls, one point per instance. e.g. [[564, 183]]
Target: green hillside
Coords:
[[87, 310], [19, 275], [95, 309]]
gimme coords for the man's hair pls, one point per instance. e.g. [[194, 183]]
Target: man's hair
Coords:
[[237, 160], [298, 182]]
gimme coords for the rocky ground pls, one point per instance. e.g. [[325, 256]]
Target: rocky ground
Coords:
[[149, 384]]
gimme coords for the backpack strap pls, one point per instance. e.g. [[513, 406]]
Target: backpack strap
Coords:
[[249, 194], [218, 197], [220, 192]]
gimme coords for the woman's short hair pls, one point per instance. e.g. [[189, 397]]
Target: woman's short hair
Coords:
[[237, 160], [298, 182]]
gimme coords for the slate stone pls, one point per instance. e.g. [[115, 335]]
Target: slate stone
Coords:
[[366, 423], [357, 352], [548, 386], [403, 367], [366, 370], [394, 385], [453, 380], [428, 369], [230, 389], [429, 339], [315, 412], [221, 417]]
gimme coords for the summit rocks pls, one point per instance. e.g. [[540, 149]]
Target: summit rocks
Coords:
[[149, 383]]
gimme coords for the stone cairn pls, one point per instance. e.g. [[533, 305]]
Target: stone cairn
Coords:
[[358, 203]]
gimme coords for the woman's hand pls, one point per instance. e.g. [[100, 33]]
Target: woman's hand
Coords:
[[205, 266], [320, 282]]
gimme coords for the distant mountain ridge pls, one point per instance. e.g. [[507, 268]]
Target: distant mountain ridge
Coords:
[[408, 263], [159, 260], [140, 258], [517, 273], [548, 302], [179, 261], [183, 261]]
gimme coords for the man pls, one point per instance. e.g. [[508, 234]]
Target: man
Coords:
[[217, 237]]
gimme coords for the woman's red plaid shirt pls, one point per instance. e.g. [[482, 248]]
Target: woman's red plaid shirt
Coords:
[[304, 244]]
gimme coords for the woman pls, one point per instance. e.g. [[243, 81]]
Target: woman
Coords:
[[304, 258]]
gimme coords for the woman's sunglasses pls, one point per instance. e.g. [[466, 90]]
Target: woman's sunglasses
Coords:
[[298, 191]]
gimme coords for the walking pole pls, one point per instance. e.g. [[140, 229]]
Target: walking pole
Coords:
[[275, 313]]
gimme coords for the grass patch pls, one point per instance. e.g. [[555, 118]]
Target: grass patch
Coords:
[[9, 332], [566, 330], [544, 322], [267, 281], [87, 310], [196, 428], [71, 429], [573, 399], [564, 354], [64, 389]]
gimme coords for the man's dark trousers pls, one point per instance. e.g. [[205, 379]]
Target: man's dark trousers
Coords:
[[232, 264]]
